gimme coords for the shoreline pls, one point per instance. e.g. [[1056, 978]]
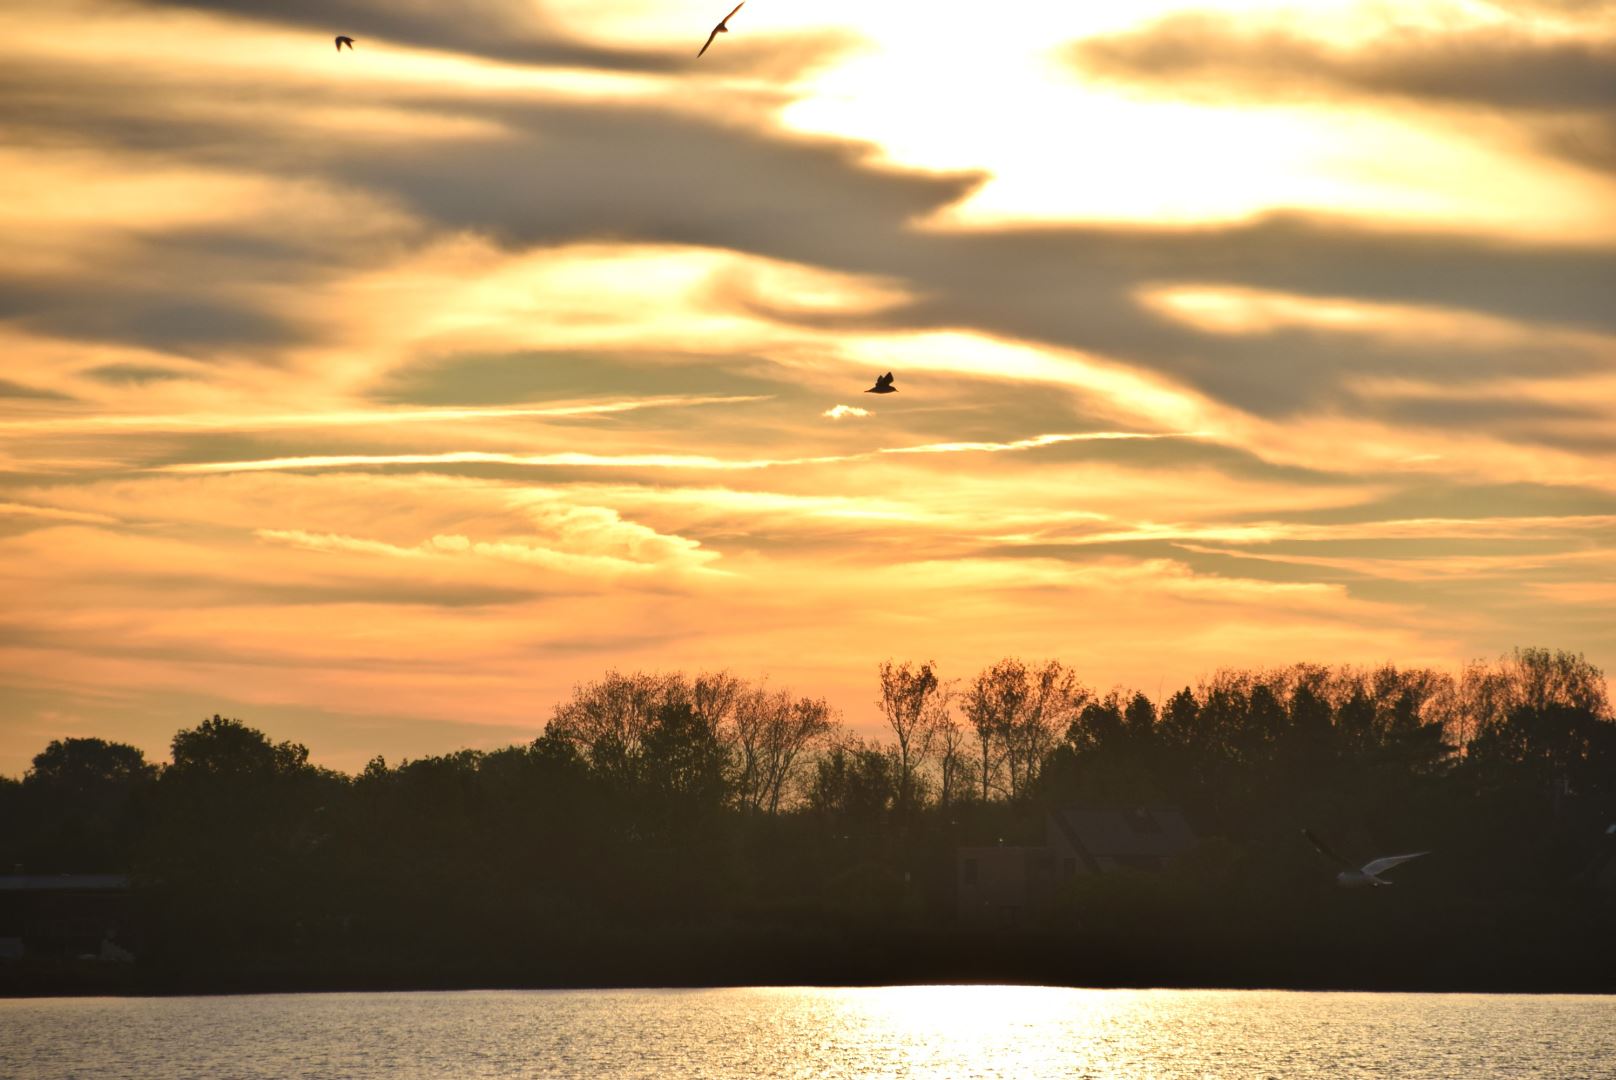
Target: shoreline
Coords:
[[63, 984], [60, 994]]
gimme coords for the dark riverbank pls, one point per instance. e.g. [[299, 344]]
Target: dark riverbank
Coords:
[[1556, 957], [667, 831]]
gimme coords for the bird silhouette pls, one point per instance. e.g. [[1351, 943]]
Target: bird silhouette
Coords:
[[721, 28], [1352, 877], [883, 385], [344, 39]]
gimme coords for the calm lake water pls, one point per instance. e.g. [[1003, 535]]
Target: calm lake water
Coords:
[[955, 1032]]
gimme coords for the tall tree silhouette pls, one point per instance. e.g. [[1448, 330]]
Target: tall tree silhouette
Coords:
[[80, 805], [773, 735], [993, 703], [913, 703]]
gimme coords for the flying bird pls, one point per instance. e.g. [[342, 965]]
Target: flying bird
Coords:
[[883, 385], [1367, 874], [344, 39], [721, 28]]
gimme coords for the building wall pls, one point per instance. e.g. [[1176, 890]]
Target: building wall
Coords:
[[997, 884], [65, 916]]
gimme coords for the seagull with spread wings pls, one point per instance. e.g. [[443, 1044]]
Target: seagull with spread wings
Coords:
[[1369, 873], [721, 28], [344, 39], [883, 385]]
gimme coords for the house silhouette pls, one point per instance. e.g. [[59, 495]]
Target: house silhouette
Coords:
[[1000, 883]]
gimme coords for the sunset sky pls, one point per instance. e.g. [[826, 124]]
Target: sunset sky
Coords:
[[378, 398]]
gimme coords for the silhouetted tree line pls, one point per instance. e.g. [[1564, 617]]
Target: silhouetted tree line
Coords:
[[676, 828]]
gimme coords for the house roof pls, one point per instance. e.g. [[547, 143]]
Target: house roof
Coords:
[[1125, 832], [63, 882]]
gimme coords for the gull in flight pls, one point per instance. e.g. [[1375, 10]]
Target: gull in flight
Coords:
[[883, 385], [1368, 874], [721, 28], [344, 39]]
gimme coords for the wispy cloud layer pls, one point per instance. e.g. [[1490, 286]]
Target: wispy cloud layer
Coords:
[[384, 395]]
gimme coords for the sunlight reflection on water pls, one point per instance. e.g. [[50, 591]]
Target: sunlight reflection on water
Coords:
[[956, 1032]]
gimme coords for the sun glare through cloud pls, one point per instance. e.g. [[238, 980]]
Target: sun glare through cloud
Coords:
[[397, 388]]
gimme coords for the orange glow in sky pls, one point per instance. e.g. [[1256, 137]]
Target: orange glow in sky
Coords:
[[378, 398]]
